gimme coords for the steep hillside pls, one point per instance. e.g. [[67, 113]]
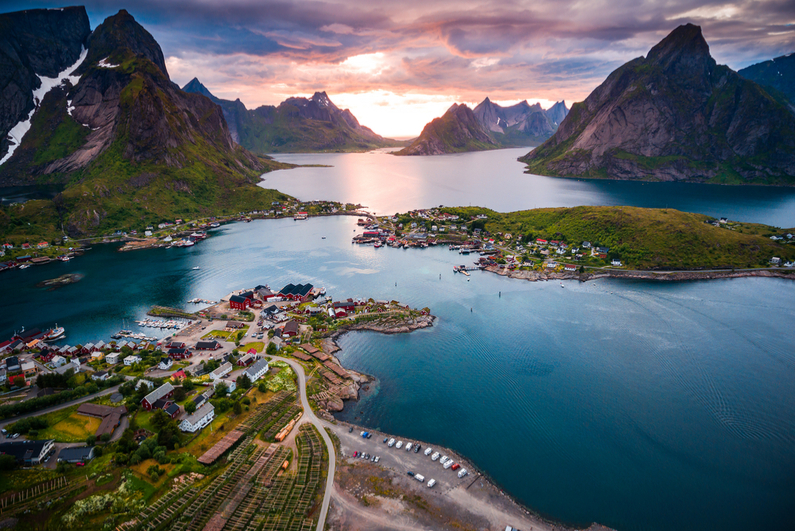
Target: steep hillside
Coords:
[[521, 124], [777, 74], [296, 125], [674, 115], [130, 147], [458, 130], [34, 45]]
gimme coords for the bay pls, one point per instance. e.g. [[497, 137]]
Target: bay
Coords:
[[387, 184], [639, 405]]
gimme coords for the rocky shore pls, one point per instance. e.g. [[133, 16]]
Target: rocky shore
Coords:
[[643, 275]]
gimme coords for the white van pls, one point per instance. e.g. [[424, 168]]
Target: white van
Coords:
[[431, 483], [391, 443], [399, 445], [444, 459], [428, 451], [419, 477], [435, 456], [408, 447]]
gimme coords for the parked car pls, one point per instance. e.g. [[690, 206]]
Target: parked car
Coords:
[[399, 445], [431, 483], [80, 464], [369, 435], [350, 430], [391, 442], [417, 448], [4, 431], [455, 466], [410, 473], [15, 436], [355, 454], [386, 439], [377, 458], [435, 456], [428, 451], [408, 447]]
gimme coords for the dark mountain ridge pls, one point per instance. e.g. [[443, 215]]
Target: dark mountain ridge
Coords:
[[296, 125], [129, 145], [457, 130], [674, 115], [776, 75]]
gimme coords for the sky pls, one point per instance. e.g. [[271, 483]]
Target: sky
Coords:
[[397, 65]]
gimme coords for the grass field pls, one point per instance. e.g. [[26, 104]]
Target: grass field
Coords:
[[66, 425], [216, 334], [257, 345], [16, 480]]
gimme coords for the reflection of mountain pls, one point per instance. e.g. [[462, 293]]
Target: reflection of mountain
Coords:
[[488, 126], [674, 115], [296, 125], [130, 146]]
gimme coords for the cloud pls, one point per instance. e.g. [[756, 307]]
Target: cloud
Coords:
[[462, 50]]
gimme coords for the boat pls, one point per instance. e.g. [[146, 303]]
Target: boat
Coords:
[[377, 245], [323, 238], [561, 285], [215, 225], [188, 243], [24, 266], [196, 268], [56, 333]]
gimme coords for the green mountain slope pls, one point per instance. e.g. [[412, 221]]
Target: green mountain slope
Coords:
[[457, 130], [777, 74], [129, 147], [674, 115]]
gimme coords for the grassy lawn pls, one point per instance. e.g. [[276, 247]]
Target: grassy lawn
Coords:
[[66, 425], [144, 420], [216, 334], [257, 345]]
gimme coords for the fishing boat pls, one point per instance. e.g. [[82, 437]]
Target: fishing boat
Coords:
[[377, 245], [188, 243], [215, 225], [56, 333], [196, 268], [24, 266]]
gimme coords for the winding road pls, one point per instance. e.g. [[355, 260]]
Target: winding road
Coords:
[[332, 455]]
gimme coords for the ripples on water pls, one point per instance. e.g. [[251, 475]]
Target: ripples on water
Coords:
[[643, 406]]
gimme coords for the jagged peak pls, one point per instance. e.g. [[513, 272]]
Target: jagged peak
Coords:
[[119, 32], [684, 42]]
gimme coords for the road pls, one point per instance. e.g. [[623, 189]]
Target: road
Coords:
[[108, 391], [332, 456]]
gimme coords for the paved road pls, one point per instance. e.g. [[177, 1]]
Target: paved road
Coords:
[[108, 391], [332, 456]]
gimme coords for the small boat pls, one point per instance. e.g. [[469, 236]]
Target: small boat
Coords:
[[377, 245], [24, 266], [188, 243], [56, 333], [561, 285], [323, 238], [195, 268]]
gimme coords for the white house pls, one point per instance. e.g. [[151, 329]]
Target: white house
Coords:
[[615, 263], [57, 361], [230, 385], [221, 371], [100, 376], [165, 363], [199, 419], [257, 371], [144, 383], [132, 359], [112, 358]]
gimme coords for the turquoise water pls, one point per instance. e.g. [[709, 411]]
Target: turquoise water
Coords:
[[494, 179], [642, 406]]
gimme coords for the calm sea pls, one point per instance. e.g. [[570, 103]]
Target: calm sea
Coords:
[[494, 179], [639, 405]]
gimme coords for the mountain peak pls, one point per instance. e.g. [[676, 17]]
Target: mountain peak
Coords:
[[683, 50], [121, 32], [194, 86]]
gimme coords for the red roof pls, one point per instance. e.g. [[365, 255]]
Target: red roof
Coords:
[[252, 351]]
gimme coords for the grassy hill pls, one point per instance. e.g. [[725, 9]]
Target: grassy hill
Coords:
[[645, 238]]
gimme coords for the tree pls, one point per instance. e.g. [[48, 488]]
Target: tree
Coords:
[[160, 419], [190, 407], [243, 382], [271, 350], [8, 462], [221, 390], [237, 408], [179, 394], [188, 385], [91, 439]]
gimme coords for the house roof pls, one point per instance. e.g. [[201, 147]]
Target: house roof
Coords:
[[300, 290], [172, 409], [23, 449], [222, 369], [207, 344], [237, 298], [159, 393], [291, 326], [257, 367], [82, 453], [199, 414]]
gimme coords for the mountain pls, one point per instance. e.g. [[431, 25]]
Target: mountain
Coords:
[[296, 125], [41, 42], [487, 126], [674, 115], [777, 74], [456, 131], [127, 145]]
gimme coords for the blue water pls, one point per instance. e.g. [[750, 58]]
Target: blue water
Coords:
[[494, 179], [639, 405]]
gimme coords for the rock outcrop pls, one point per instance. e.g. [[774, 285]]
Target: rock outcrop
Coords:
[[674, 115], [35, 43]]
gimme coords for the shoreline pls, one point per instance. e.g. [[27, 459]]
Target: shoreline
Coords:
[[664, 276]]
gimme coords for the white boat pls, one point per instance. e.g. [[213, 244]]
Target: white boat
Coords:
[[56, 333], [24, 266], [195, 268], [188, 243]]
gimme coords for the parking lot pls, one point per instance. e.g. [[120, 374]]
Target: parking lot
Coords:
[[401, 461]]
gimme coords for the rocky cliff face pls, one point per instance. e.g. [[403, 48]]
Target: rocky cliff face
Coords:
[[674, 115], [129, 142], [777, 74], [33, 44], [458, 130], [521, 124], [297, 124]]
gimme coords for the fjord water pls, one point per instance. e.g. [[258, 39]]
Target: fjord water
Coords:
[[494, 179], [639, 405]]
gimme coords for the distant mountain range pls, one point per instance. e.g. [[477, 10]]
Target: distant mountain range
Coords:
[[777, 75], [674, 115], [97, 113], [488, 126], [296, 125]]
